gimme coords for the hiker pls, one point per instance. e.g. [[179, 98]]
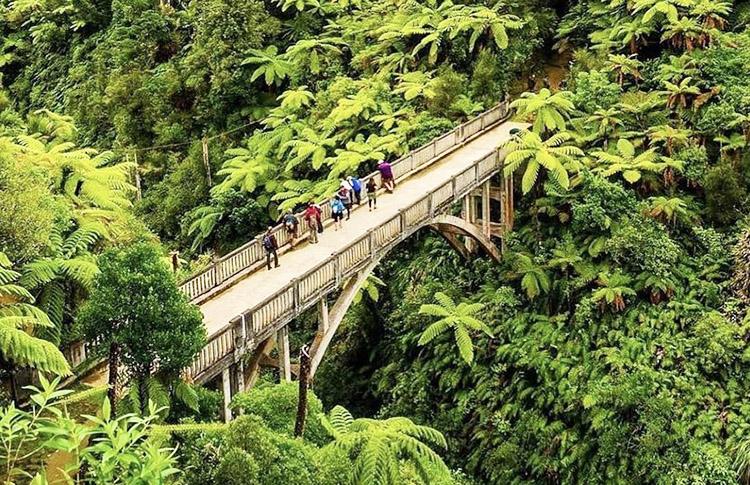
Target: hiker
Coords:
[[345, 195], [337, 212], [271, 246], [356, 185], [291, 223], [311, 216], [372, 194], [318, 216], [386, 175]]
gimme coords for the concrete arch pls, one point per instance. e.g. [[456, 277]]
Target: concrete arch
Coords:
[[450, 227]]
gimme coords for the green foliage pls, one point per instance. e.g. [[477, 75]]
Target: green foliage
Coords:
[[726, 194], [137, 308], [379, 445], [552, 154], [593, 90], [237, 467], [27, 210], [459, 318], [18, 319], [548, 111], [276, 405], [98, 450]]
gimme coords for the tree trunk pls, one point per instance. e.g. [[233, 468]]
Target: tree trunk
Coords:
[[114, 371], [304, 375], [143, 392]]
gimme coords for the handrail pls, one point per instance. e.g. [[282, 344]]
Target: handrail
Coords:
[[260, 321], [252, 253]]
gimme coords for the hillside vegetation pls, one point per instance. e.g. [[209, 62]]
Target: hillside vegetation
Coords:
[[610, 345]]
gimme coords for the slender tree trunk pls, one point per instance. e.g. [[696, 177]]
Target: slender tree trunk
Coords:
[[143, 392], [304, 376], [114, 371]]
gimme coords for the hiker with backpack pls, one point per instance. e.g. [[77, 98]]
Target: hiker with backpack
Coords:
[[356, 186], [372, 194], [311, 216], [291, 224], [345, 196], [271, 246], [318, 216], [337, 212]]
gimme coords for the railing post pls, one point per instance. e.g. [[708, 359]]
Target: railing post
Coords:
[[295, 295], [237, 333], [249, 330], [336, 268], [453, 188], [430, 209], [371, 244]]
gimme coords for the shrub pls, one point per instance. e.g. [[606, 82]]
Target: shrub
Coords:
[[725, 194], [599, 204], [593, 90], [237, 467], [642, 245], [276, 405]]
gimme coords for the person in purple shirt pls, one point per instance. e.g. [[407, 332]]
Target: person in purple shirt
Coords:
[[386, 175]]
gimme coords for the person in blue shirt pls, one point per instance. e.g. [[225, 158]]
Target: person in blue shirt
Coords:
[[337, 212], [356, 185]]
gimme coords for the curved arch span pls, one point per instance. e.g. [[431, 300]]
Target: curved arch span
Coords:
[[450, 227]]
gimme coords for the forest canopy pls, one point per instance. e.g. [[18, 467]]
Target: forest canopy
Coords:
[[609, 345]]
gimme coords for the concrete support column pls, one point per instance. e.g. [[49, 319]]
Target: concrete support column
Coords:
[[282, 346], [486, 208], [506, 203], [467, 213], [323, 321], [226, 387], [238, 377]]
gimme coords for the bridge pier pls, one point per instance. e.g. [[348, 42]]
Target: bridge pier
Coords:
[[282, 347], [481, 207], [467, 214]]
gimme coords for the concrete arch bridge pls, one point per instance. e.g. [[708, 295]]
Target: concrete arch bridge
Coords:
[[247, 308]]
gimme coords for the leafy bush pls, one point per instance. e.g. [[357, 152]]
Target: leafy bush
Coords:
[[726, 194], [593, 90], [641, 244], [237, 467], [600, 204], [276, 405]]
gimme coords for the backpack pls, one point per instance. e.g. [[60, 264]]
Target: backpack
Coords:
[[268, 242], [356, 185]]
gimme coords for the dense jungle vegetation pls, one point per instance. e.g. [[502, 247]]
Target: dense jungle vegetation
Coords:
[[609, 346]]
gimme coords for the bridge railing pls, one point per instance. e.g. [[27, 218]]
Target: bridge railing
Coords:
[[261, 321], [252, 253]]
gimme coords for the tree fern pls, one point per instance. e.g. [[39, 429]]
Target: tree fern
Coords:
[[19, 317], [379, 445], [459, 317]]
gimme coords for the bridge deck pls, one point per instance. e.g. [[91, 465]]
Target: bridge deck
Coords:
[[252, 288]]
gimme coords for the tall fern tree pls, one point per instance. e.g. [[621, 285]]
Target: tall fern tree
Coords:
[[551, 154], [457, 317], [68, 266], [379, 446], [549, 111], [19, 318]]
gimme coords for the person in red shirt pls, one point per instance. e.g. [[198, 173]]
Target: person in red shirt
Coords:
[[312, 216]]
